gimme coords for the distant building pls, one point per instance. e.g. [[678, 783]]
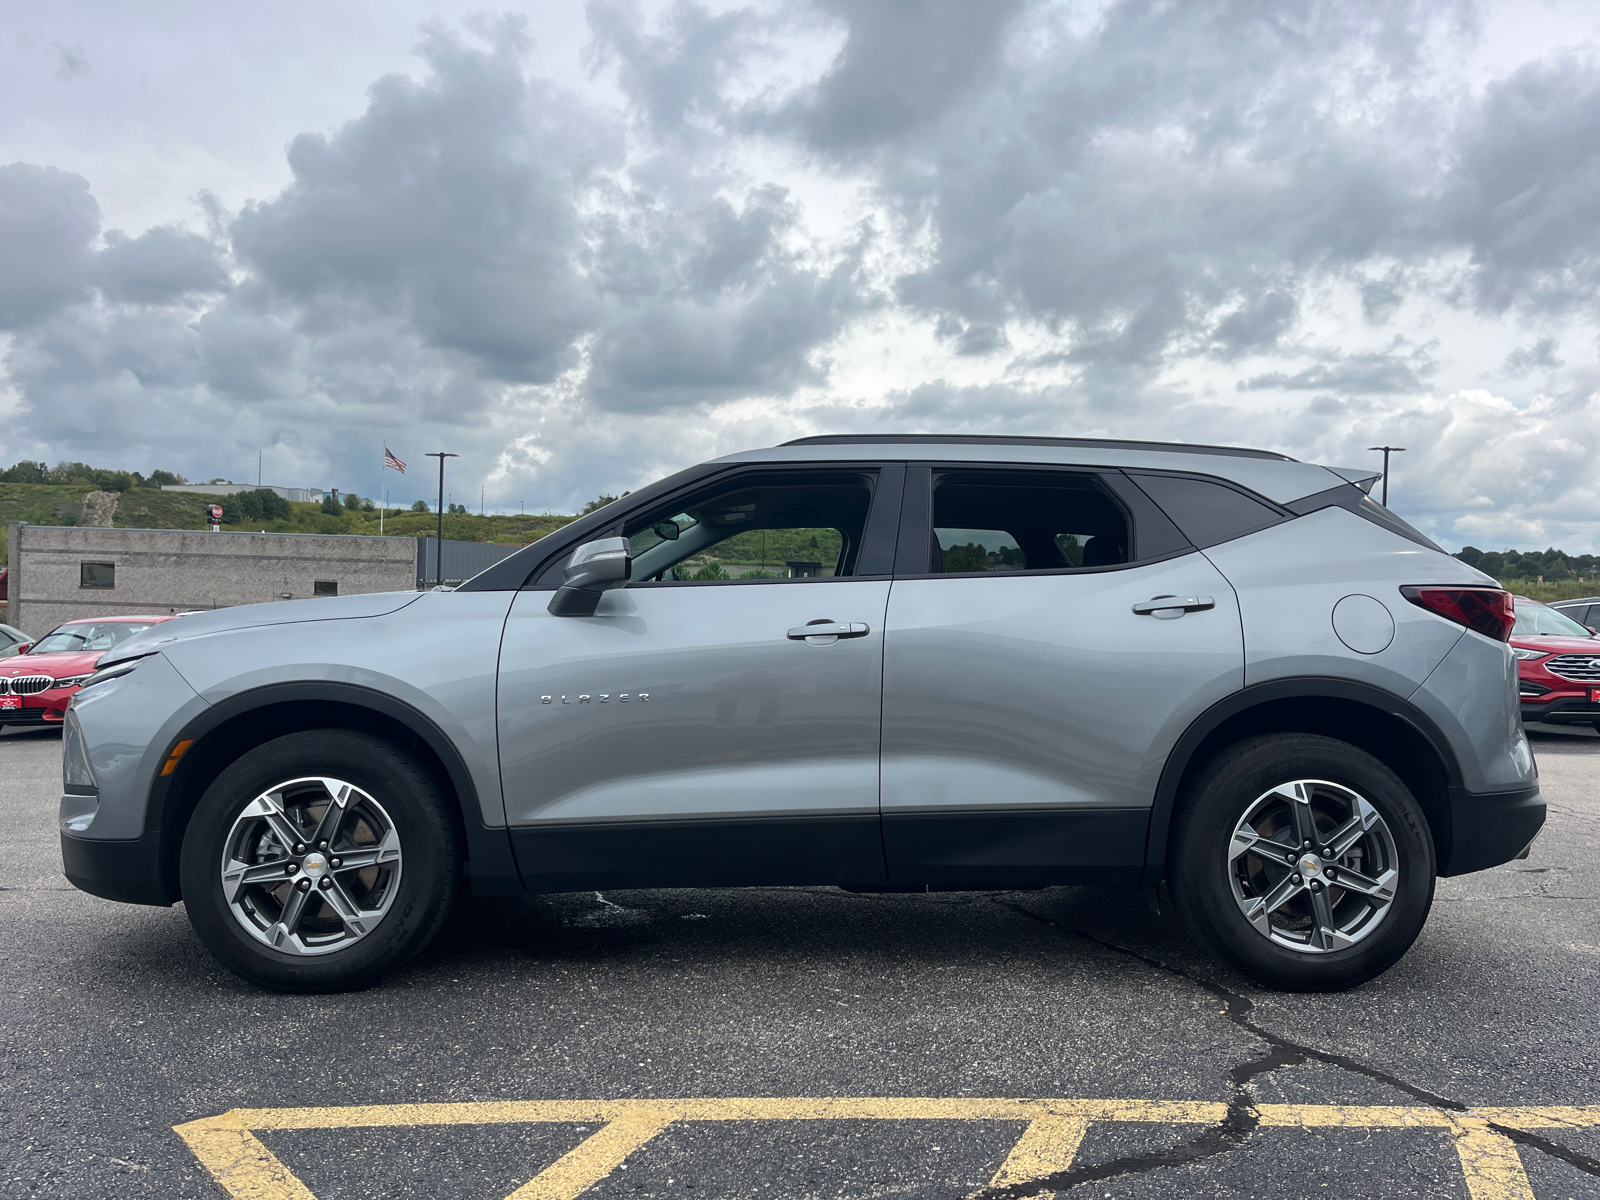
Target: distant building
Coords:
[[58, 573], [299, 495]]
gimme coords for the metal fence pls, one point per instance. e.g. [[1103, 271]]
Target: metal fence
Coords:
[[462, 560]]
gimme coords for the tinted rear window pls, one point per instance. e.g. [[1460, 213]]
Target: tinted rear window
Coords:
[[1207, 511]]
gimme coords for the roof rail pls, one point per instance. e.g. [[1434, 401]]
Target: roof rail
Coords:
[[986, 439]]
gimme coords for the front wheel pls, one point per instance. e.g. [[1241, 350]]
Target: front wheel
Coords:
[[1304, 861], [319, 861]]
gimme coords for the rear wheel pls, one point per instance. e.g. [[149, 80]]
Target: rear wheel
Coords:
[[1304, 861], [319, 861]]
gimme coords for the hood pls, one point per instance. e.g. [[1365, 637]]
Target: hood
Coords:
[[57, 665], [254, 616]]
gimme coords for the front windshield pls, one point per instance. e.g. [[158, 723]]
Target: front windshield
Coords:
[[87, 636], [1535, 620]]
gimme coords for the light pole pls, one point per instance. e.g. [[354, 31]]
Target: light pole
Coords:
[[1387, 450], [438, 550]]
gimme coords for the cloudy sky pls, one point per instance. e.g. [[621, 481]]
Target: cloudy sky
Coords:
[[583, 245]]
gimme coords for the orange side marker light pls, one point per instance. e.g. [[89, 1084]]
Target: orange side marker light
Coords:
[[171, 765]]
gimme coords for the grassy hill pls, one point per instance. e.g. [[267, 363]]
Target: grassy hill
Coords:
[[150, 508]]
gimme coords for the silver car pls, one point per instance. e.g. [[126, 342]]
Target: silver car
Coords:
[[874, 662]]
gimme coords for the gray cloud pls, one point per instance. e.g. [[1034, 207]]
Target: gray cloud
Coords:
[[904, 64], [48, 222], [158, 267]]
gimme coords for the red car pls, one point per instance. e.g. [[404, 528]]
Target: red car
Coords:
[[35, 686], [1558, 666]]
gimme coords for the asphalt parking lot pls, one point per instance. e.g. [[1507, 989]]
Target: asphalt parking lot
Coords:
[[805, 1042]]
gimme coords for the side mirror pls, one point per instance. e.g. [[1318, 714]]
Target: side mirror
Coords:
[[667, 531], [595, 568], [24, 647]]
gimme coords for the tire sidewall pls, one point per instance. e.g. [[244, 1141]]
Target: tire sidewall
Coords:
[[426, 874], [1201, 873]]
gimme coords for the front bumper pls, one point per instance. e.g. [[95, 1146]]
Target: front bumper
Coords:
[[1560, 710], [1487, 829], [125, 869]]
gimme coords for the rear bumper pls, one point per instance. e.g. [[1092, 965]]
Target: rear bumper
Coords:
[[128, 870], [1487, 829]]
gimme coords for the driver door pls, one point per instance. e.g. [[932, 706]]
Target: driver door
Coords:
[[690, 733]]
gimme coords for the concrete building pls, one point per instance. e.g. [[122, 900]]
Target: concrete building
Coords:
[[299, 495], [60, 573]]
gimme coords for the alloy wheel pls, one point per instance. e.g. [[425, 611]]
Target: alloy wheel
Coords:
[[1313, 866], [311, 865]]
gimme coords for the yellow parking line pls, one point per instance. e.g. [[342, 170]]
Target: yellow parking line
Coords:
[[1053, 1131], [586, 1165], [1046, 1146], [245, 1168]]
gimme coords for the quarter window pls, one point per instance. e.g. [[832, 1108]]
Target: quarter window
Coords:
[[1009, 524], [1207, 511]]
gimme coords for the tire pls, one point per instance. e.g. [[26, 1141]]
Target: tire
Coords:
[[355, 920], [1232, 862]]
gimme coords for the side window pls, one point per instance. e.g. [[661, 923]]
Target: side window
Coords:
[[1004, 522], [780, 527], [1207, 511]]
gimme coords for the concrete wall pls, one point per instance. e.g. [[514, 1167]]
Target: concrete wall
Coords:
[[174, 570]]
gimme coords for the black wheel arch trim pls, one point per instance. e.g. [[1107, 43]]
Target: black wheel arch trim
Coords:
[[491, 866], [1298, 688]]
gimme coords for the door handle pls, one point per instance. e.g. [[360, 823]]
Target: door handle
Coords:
[[1170, 608], [828, 629]]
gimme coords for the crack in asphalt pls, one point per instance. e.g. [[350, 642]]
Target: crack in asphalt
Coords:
[[1241, 1118]]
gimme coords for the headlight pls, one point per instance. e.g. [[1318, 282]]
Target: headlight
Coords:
[[73, 681], [1527, 655], [112, 672], [76, 773]]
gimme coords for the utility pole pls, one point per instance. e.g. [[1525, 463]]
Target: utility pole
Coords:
[[1387, 450], [438, 560]]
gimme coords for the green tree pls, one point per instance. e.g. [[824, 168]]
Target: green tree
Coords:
[[758, 573], [260, 504], [971, 557], [352, 502], [710, 571], [330, 504], [419, 506]]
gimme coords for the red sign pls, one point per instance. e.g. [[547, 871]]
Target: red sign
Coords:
[[215, 513]]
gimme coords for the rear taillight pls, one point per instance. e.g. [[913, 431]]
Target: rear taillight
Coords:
[[1484, 610]]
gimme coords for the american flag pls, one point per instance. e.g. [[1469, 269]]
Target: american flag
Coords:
[[389, 460]]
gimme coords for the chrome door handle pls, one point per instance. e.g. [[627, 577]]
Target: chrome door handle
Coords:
[[1170, 608], [828, 629]]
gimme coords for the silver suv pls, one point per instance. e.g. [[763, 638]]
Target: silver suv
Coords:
[[875, 662]]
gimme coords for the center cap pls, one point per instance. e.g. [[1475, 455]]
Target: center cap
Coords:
[[314, 864], [1310, 864]]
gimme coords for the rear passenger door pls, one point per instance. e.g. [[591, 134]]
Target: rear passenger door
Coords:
[[1034, 682]]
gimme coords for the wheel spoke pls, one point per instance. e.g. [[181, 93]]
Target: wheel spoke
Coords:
[[1305, 821], [1258, 911], [338, 798], [269, 807], [384, 853], [1379, 890], [239, 876], [1353, 830], [280, 936], [1246, 839], [1326, 936], [348, 911]]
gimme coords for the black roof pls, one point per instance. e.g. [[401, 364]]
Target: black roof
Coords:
[[984, 439]]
